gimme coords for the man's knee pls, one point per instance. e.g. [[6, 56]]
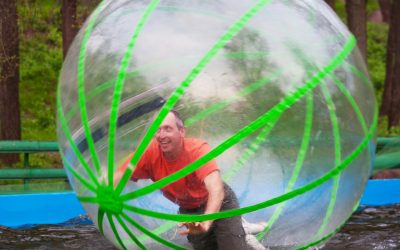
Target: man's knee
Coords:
[[205, 241], [229, 232], [231, 241]]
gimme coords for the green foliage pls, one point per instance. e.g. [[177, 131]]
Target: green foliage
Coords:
[[384, 130], [41, 60], [40, 64], [377, 47], [341, 10], [377, 40], [372, 5]]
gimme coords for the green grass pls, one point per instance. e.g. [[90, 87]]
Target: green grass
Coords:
[[33, 186], [384, 131], [40, 64]]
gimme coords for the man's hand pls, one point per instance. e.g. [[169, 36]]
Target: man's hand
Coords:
[[215, 190], [195, 227]]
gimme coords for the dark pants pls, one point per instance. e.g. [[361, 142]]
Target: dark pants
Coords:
[[225, 233]]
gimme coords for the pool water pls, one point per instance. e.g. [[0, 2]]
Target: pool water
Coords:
[[375, 228], [369, 228]]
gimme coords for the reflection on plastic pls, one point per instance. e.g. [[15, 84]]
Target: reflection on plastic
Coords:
[[277, 88]]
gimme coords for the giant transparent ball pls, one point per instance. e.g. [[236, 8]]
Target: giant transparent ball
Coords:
[[277, 88]]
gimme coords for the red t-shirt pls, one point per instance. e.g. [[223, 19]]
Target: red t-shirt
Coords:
[[189, 191]]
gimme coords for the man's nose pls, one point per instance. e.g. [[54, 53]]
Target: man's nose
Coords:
[[161, 133]]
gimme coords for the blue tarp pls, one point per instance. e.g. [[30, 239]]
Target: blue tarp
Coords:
[[53, 208]]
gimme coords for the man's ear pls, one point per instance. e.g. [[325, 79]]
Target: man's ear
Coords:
[[182, 131]]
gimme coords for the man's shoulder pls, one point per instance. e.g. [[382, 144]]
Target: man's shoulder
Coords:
[[152, 149], [195, 141], [194, 144]]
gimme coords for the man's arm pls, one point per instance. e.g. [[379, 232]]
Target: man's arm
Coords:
[[215, 189], [139, 172], [119, 172]]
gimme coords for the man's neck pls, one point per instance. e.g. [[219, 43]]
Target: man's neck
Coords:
[[173, 156]]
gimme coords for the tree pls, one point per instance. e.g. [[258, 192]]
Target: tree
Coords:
[[391, 94], [357, 22], [69, 23], [332, 4], [10, 124], [385, 9]]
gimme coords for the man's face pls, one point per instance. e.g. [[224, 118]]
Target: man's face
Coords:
[[169, 136]]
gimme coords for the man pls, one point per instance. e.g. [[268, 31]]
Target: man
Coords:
[[201, 192]]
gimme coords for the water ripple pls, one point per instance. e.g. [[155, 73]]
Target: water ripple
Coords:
[[370, 228]]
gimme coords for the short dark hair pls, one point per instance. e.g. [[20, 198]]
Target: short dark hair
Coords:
[[178, 118]]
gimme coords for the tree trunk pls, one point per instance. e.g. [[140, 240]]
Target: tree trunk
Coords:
[[10, 125], [357, 23], [332, 4], [69, 23], [385, 9], [391, 94]]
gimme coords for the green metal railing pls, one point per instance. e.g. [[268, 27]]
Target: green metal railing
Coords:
[[28, 173], [382, 161], [32, 173], [27, 147], [387, 153]]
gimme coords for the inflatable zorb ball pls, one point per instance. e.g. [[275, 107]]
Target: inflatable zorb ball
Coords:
[[277, 88]]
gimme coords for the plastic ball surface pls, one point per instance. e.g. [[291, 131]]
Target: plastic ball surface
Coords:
[[278, 89]]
